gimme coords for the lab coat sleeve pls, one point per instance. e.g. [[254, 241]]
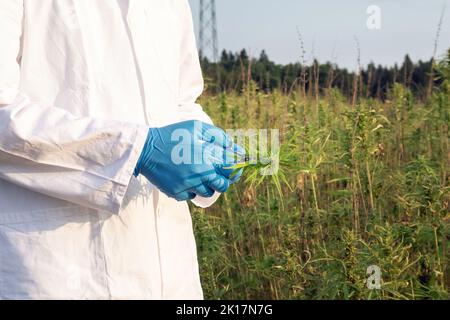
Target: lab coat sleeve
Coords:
[[82, 160], [191, 83]]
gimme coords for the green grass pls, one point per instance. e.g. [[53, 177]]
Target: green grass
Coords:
[[358, 186]]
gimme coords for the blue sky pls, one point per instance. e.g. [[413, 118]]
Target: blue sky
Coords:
[[329, 28]]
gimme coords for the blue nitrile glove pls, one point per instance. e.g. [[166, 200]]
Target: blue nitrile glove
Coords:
[[186, 159], [231, 173]]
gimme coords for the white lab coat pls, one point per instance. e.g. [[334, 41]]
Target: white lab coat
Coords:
[[80, 83]]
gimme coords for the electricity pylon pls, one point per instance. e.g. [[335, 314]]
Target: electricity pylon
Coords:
[[208, 30]]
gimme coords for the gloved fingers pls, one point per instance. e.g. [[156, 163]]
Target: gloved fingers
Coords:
[[237, 176], [235, 155], [203, 191], [215, 155], [216, 136], [218, 183], [231, 174], [223, 162], [239, 151], [221, 170], [218, 156], [185, 196]]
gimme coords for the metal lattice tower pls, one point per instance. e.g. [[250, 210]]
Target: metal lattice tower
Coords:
[[208, 30]]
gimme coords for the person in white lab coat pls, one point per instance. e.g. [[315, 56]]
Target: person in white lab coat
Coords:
[[81, 83]]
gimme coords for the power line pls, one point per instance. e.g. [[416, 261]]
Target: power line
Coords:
[[208, 30]]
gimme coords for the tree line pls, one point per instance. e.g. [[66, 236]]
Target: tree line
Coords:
[[234, 70]]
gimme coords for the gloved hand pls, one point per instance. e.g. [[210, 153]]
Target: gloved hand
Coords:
[[187, 159]]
